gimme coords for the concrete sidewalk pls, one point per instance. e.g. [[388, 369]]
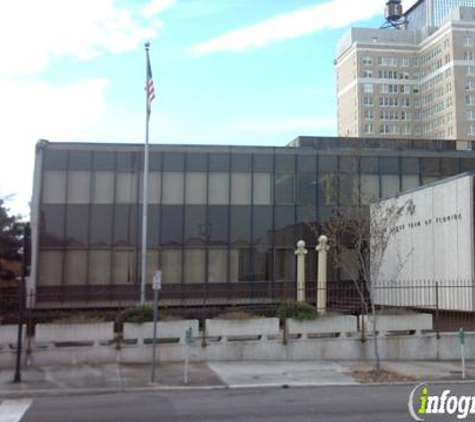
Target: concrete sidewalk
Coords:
[[90, 379]]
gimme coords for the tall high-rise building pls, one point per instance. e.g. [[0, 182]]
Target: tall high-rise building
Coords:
[[414, 82]]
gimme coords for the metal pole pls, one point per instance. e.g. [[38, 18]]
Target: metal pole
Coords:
[[322, 249], [155, 317], [301, 252], [145, 183], [17, 377]]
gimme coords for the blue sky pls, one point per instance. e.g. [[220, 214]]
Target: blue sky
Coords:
[[242, 72]]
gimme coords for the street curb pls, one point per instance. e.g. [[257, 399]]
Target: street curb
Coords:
[[165, 388]]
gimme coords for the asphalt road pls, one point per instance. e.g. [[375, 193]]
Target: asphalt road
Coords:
[[334, 404]]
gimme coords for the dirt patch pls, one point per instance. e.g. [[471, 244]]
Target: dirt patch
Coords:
[[372, 376]]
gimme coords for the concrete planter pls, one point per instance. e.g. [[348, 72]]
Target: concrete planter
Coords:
[[334, 325], [9, 335], [175, 330], [242, 329], [75, 333], [399, 324]]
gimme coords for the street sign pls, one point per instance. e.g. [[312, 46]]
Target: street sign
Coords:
[[157, 280]]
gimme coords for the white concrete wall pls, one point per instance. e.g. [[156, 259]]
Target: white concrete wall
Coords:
[[57, 333], [165, 329], [430, 245]]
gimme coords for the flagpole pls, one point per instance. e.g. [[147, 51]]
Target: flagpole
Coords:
[[143, 280]]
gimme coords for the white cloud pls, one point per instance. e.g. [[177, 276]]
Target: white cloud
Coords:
[[331, 14], [32, 32], [157, 6], [31, 110]]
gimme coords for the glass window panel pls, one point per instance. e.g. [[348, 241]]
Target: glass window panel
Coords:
[[154, 187], [240, 188], [348, 189], [173, 187], [328, 189], [409, 181], [219, 162], [240, 225], [125, 225], [240, 265], [369, 184], [217, 265], [75, 266], [218, 217], [153, 225], [155, 162], [128, 160], [55, 160], [410, 165], [284, 162], [284, 188], [152, 265], [174, 161], [52, 225], [241, 162], [126, 188], [348, 164], [103, 187], [54, 187], [171, 229], [306, 188], [100, 267], [124, 270], [450, 166], [171, 265], [389, 165], [79, 187], [196, 187], [467, 164], [80, 160], [101, 225], [389, 185], [77, 224], [50, 268], [262, 225], [307, 228], [218, 188], [262, 265], [195, 266], [327, 163], [263, 162], [103, 160], [262, 189], [196, 162], [369, 165], [284, 226], [350, 264], [307, 163], [430, 167], [284, 265], [197, 232]]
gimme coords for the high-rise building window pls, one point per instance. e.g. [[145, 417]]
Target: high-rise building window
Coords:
[[367, 61], [368, 128], [368, 114], [469, 70], [367, 101], [367, 73], [468, 41], [368, 88]]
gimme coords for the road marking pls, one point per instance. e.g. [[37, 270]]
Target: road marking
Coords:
[[13, 410]]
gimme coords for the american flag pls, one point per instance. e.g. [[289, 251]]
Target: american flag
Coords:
[[150, 89]]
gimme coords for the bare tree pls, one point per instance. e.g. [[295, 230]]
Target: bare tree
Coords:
[[359, 231]]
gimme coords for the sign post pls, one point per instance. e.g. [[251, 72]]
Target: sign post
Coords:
[[156, 285], [187, 349], [461, 336]]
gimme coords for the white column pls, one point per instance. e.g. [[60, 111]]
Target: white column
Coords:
[[322, 249], [301, 252]]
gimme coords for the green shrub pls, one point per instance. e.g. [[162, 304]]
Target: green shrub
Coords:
[[141, 314], [138, 314], [237, 315], [297, 310]]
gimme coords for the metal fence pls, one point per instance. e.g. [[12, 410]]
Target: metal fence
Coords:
[[451, 303]]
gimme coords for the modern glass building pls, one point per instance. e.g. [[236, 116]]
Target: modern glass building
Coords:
[[223, 220]]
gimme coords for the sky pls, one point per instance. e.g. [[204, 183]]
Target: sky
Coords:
[[239, 72]]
